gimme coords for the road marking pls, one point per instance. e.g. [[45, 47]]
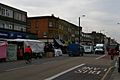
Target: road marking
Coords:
[[98, 72], [17, 68], [105, 70], [59, 74], [103, 78], [100, 57], [91, 70]]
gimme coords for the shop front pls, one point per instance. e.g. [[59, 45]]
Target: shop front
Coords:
[[7, 34]]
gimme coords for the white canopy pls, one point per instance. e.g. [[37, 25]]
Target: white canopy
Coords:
[[36, 45], [23, 40]]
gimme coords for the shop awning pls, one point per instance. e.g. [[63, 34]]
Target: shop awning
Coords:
[[59, 42]]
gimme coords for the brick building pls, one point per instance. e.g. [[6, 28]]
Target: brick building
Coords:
[[53, 27]]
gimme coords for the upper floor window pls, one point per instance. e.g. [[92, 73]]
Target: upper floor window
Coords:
[[50, 24], [20, 16], [3, 25], [10, 26], [37, 24], [28, 22], [6, 12]]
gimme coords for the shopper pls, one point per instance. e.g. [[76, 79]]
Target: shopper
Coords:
[[28, 54], [20, 53]]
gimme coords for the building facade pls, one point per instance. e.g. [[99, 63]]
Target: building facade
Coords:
[[86, 39], [53, 27], [13, 22]]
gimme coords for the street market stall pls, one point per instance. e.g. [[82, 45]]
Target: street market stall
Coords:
[[3, 50], [36, 46]]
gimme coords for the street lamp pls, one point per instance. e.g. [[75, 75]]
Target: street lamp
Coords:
[[79, 28], [80, 33]]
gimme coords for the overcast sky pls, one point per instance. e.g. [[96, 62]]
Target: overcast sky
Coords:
[[101, 15]]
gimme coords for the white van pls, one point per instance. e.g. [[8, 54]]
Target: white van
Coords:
[[100, 49], [88, 49]]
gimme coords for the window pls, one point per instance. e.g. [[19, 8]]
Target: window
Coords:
[[29, 23], [36, 24], [45, 33], [0, 10], [50, 24], [23, 17], [3, 12], [10, 26], [3, 25]]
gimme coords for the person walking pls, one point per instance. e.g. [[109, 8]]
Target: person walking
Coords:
[[20, 53], [28, 54]]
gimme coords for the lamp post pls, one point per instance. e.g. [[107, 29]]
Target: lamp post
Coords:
[[80, 32], [79, 28]]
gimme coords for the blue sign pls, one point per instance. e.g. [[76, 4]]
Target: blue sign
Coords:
[[11, 34], [4, 34]]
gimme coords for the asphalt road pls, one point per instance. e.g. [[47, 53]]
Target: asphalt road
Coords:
[[88, 67]]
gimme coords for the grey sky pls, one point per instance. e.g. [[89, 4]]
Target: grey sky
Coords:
[[101, 15]]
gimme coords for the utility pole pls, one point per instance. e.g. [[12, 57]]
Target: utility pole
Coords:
[[79, 30], [80, 36]]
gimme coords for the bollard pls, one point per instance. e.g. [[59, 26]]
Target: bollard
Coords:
[[119, 64]]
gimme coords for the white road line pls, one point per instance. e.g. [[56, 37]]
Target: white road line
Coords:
[[98, 72], [105, 69], [17, 68], [103, 78], [100, 57], [59, 74]]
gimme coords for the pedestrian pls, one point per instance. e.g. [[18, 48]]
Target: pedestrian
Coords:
[[46, 48], [117, 50], [28, 54], [49, 50], [112, 53], [20, 53]]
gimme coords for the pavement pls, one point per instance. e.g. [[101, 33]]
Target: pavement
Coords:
[[115, 75]]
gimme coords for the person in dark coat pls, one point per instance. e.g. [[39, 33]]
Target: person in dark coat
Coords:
[[19, 53]]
